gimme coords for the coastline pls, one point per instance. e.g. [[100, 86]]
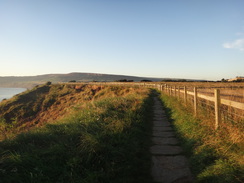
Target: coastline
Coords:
[[9, 92]]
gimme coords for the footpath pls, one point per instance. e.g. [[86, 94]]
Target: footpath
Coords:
[[168, 163]]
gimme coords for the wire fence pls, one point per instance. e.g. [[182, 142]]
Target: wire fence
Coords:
[[211, 104]]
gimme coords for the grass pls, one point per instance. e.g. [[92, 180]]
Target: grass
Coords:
[[213, 156], [106, 140], [47, 103]]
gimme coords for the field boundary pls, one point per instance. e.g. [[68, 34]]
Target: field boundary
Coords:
[[217, 100]]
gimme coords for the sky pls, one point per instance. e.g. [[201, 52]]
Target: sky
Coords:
[[191, 39]]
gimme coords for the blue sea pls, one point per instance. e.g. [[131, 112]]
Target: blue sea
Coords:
[[6, 93]]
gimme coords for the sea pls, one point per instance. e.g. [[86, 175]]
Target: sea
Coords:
[[6, 93]]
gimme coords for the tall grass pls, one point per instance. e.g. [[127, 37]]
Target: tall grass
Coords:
[[47, 103], [105, 141], [213, 156]]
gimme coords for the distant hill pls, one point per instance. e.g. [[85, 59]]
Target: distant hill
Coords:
[[31, 81]]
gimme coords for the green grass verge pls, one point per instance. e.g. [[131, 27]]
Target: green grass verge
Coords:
[[205, 149], [106, 141]]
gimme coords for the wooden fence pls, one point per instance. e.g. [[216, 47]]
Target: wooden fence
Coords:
[[182, 92]]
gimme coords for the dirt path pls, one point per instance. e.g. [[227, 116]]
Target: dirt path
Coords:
[[168, 163]]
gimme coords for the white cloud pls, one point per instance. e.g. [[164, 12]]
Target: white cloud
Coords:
[[237, 44]]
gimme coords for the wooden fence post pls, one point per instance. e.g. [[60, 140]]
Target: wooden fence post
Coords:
[[174, 91], [195, 100], [179, 92], [217, 108], [185, 94]]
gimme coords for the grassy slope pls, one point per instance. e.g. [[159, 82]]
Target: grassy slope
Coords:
[[213, 158], [104, 140], [47, 103]]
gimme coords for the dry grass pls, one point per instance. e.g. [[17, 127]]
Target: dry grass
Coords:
[[206, 84], [45, 104], [104, 138]]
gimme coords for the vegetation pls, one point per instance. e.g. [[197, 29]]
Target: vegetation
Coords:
[[214, 156], [206, 84], [91, 133], [146, 80], [124, 80], [103, 138]]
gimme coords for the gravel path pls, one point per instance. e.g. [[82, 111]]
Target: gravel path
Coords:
[[168, 163]]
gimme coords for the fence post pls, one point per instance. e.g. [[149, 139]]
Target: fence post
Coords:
[[195, 100], [185, 94], [179, 92], [217, 108], [174, 91]]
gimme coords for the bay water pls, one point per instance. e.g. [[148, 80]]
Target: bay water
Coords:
[[6, 93]]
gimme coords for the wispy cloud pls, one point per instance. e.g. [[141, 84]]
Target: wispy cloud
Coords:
[[237, 44]]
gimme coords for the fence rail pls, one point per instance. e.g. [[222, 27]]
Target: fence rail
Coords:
[[218, 102], [231, 103]]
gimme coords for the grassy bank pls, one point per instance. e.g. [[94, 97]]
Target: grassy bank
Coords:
[[104, 140], [213, 156]]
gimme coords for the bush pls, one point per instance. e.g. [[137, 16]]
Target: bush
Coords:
[[48, 83]]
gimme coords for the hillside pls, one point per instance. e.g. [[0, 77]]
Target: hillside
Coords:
[[30, 81], [46, 103], [62, 133]]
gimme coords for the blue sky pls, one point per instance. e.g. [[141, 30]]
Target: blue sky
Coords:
[[195, 39]]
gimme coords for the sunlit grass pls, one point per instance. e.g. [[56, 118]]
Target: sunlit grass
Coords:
[[214, 157], [106, 140]]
